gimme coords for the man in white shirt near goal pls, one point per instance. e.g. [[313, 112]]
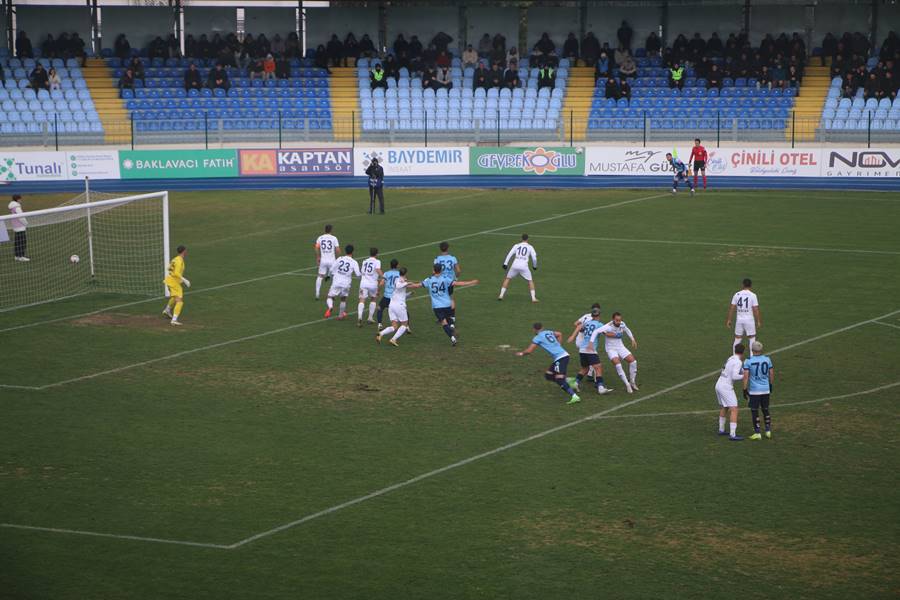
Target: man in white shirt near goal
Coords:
[[342, 271], [519, 254], [732, 371], [746, 305], [613, 332], [368, 286], [327, 249]]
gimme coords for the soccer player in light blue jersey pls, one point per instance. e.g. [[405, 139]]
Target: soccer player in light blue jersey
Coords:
[[551, 342], [439, 285], [759, 379], [388, 279], [587, 350], [451, 270], [680, 171]]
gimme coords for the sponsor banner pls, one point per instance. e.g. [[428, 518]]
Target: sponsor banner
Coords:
[[861, 162], [768, 162], [297, 162], [414, 160], [526, 161], [32, 166], [177, 164], [100, 164]]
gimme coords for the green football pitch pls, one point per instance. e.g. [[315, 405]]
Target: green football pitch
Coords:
[[260, 451]]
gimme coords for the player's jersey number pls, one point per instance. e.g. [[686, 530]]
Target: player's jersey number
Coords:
[[760, 367], [343, 268]]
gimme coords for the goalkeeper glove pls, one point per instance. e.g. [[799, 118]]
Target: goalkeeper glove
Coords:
[[185, 281], [504, 267], [746, 394]]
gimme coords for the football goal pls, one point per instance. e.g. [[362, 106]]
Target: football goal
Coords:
[[95, 242]]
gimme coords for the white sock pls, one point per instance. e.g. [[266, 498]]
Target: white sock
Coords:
[[399, 333], [632, 370], [387, 331], [318, 285], [722, 424], [621, 373], [329, 302], [733, 429], [343, 306], [175, 319], [372, 307], [360, 308], [533, 295], [502, 292]]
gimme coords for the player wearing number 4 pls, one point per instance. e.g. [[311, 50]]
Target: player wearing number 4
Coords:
[[342, 272], [368, 286], [174, 280], [587, 350], [439, 285], [616, 350], [759, 383], [327, 248], [551, 341], [519, 255], [746, 305]]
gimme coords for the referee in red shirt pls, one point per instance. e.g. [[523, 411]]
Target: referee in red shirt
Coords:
[[698, 159]]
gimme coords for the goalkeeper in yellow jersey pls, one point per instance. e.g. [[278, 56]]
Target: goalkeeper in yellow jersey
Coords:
[[174, 280]]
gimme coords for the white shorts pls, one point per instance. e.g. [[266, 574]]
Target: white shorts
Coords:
[[325, 267], [341, 291], [398, 313], [745, 326], [726, 396], [617, 351], [368, 291], [520, 270]]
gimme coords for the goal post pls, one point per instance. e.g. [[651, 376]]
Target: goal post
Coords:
[[95, 242]]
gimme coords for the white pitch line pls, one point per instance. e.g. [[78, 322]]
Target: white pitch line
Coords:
[[297, 271], [525, 440], [887, 324], [452, 466], [715, 410], [722, 244], [115, 536]]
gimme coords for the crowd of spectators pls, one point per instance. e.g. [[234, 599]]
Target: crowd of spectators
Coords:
[[849, 62], [64, 46]]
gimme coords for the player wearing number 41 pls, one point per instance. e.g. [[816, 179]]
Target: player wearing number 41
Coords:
[[746, 305], [732, 371], [327, 248], [551, 342], [439, 285], [519, 255], [759, 383], [368, 286], [679, 170], [587, 350], [342, 272], [616, 350], [174, 280]]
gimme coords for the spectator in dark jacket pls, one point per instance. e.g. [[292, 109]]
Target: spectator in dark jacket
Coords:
[[2, 75], [714, 78], [335, 51], [653, 44], [137, 68], [624, 34], [126, 81], [612, 88], [121, 47], [495, 76], [23, 45], [570, 47], [366, 47], [714, 45], [39, 78], [624, 88], [322, 58], [511, 77], [400, 44], [441, 41], [590, 49], [872, 88], [481, 78], [218, 78], [351, 46], [192, 78]]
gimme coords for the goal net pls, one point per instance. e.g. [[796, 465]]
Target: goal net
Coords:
[[94, 242]]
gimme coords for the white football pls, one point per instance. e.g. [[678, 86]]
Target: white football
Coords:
[[74, 259]]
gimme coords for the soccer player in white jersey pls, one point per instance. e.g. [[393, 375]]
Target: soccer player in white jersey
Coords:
[[587, 350], [746, 305], [343, 270], [519, 254], [732, 371], [368, 286], [613, 332], [397, 309], [327, 249]]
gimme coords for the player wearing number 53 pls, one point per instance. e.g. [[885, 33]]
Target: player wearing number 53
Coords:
[[376, 186]]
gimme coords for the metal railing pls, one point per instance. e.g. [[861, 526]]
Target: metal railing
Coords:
[[279, 129]]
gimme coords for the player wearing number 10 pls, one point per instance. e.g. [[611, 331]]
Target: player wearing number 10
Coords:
[[174, 279], [551, 342], [519, 255], [438, 286]]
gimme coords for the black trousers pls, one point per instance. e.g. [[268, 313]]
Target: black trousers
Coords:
[[20, 241], [376, 191]]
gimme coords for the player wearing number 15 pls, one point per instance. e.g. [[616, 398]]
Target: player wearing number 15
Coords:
[[551, 342], [174, 280]]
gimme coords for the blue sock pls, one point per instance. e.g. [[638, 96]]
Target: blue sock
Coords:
[[565, 386], [448, 330], [598, 381], [579, 378]]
